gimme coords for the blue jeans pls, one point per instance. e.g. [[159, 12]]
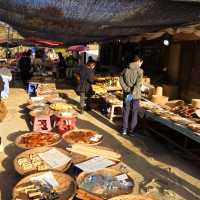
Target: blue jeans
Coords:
[[130, 109], [5, 92]]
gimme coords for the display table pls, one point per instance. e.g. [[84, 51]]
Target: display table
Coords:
[[177, 134]]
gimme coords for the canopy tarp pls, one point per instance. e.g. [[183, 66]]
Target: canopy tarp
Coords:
[[81, 21], [183, 33], [78, 48], [38, 41]]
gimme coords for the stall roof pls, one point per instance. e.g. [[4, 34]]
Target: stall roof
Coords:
[[82, 21]]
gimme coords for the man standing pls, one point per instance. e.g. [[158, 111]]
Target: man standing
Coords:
[[131, 82], [25, 67], [85, 85]]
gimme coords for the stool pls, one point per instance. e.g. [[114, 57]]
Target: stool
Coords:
[[112, 111], [32, 87], [42, 123], [64, 124]]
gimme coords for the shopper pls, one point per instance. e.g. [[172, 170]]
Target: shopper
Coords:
[[85, 85], [131, 82], [90, 59], [25, 67], [6, 77], [61, 66]]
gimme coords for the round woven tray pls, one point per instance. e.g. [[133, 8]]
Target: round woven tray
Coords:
[[42, 100], [58, 114], [38, 112], [23, 146], [56, 100], [37, 106], [103, 172], [75, 139], [36, 151], [66, 188]]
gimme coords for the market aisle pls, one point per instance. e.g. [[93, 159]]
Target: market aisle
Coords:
[[146, 158]]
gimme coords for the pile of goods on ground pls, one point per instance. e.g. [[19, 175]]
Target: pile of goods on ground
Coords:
[[105, 183], [34, 139], [42, 159], [45, 185], [82, 136], [33, 162], [61, 106]]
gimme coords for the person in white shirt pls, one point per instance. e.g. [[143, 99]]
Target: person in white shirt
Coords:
[[6, 76]]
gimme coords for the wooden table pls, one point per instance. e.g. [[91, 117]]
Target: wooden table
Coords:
[[178, 135]]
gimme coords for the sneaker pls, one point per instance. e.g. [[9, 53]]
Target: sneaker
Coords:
[[124, 133]]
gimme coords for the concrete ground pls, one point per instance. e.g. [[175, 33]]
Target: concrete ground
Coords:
[[155, 166]]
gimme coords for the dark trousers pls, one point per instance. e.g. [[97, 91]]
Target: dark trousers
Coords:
[[25, 76], [84, 101], [130, 109]]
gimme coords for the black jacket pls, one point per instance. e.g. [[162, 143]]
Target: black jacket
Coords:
[[86, 80], [25, 64]]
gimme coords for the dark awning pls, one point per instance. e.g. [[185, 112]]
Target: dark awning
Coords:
[[80, 21]]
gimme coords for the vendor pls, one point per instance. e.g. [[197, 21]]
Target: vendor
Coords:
[[131, 82], [85, 85]]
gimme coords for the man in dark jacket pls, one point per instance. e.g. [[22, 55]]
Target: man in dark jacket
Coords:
[[61, 66], [131, 82], [25, 67], [84, 87]]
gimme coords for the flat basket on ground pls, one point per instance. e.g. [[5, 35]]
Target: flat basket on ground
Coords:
[[80, 136], [66, 189], [36, 151]]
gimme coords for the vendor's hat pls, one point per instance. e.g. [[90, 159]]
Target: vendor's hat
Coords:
[[136, 58]]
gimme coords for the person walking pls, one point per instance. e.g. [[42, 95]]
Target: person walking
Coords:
[[131, 82], [85, 85]]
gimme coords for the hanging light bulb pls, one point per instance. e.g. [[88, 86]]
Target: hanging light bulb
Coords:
[[166, 42]]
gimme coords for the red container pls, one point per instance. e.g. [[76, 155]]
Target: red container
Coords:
[[64, 124]]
